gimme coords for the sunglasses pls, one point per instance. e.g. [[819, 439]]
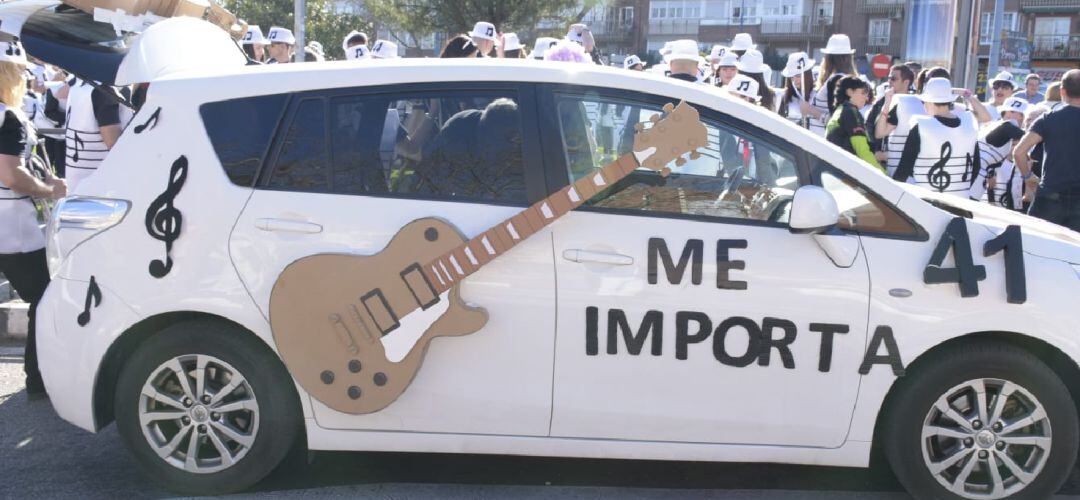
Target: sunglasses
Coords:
[[1002, 86]]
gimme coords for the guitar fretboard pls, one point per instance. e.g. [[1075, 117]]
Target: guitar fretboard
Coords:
[[461, 262]]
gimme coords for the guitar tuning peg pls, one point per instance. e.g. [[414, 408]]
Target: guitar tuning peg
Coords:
[[669, 107], [680, 161], [664, 172], [654, 118], [695, 155], [638, 127]]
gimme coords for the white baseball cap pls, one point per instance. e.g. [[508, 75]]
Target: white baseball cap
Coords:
[[278, 34], [13, 52], [1003, 76], [838, 44], [742, 41], [484, 30], [254, 36], [576, 33], [384, 49], [797, 64], [511, 42], [752, 62], [541, 46], [353, 33], [744, 86], [684, 50], [938, 91], [1014, 103], [631, 61]]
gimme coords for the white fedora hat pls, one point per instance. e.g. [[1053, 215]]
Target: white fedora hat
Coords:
[[684, 50], [384, 49], [484, 30], [1003, 76], [752, 62], [357, 52], [742, 41], [717, 53], [743, 85], [938, 91], [350, 36], [728, 59], [281, 35], [254, 36], [1014, 103], [541, 46], [511, 42], [12, 52], [797, 64], [631, 61], [838, 44]]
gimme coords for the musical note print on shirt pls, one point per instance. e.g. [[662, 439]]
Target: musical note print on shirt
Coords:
[[164, 220], [93, 294], [79, 145], [150, 122], [939, 178]]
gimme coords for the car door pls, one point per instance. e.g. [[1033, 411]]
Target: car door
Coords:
[[348, 170], [687, 310]]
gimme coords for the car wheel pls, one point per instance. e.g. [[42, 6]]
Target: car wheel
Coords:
[[981, 421], [206, 408]]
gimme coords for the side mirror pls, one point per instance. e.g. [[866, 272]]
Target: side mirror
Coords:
[[813, 211]]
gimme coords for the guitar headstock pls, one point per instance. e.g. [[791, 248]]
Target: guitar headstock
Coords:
[[679, 132]]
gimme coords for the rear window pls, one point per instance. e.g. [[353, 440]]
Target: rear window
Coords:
[[241, 131]]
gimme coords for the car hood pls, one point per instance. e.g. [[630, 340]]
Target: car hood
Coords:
[[1041, 238]]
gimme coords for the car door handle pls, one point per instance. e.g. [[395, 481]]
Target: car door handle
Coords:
[[288, 226], [614, 259]]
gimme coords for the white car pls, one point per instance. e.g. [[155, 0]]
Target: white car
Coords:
[[220, 288]]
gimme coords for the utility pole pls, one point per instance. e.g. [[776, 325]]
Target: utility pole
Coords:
[[995, 40], [962, 56], [300, 17]]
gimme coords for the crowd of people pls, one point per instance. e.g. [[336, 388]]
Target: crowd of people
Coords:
[[1017, 150]]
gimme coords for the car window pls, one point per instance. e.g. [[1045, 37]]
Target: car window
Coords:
[[736, 176], [440, 145], [240, 131], [863, 211]]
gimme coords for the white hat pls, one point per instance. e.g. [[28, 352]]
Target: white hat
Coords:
[[254, 36], [13, 52], [752, 62], [281, 35], [631, 61], [541, 46], [384, 49], [797, 64], [1014, 103], [484, 30], [743, 85], [683, 50], [353, 33], [316, 46], [728, 59], [357, 52], [938, 90], [666, 49], [576, 33], [717, 53], [511, 42], [661, 68], [838, 44], [1003, 76], [742, 41]]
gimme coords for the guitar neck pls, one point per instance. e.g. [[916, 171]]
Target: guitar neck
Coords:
[[450, 268]]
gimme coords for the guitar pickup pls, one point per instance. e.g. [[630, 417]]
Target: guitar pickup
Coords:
[[421, 289], [380, 312]]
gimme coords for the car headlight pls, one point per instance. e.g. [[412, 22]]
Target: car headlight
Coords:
[[77, 219]]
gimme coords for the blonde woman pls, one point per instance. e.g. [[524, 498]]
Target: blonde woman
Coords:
[[22, 244]]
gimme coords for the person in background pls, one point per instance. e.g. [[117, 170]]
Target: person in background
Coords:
[[1002, 87], [633, 63], [22, 243], [458, 47], [316, 47], [744, 88], [971, 102], [942, 149], [384, 49], [752, 64], [512, 47], [541, 45], [485, 37], [93, 127], [1031, 89], [846, 127], [355, 46], [311, 54], [715, 54], [1058, 197], [799, 86], [683, 60], [914, 67], [838, 63], [282, 45], [742, 43], [997, 182], [726, 69], [55, 116], [255, 44], [1053, 97], [882, 119]]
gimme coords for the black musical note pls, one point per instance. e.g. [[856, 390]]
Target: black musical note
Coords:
[[939, 178], [968, 174], [163, 220], [150, 122], [93, 293], [79, 145]]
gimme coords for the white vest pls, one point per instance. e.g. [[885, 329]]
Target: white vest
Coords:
[[19, 230], [946, 155], [1008, 191], [820, 100], [907, 107], [990, 156], [85, 147], [794, 114]]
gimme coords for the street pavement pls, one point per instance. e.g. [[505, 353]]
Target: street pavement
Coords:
[[42, 456]]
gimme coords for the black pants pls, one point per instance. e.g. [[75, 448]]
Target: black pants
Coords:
[[29, 276], [1060, 208]]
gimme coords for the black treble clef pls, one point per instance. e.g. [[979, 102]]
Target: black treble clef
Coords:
[[150, 122], [93, 294], [163, 220], [939, 178]]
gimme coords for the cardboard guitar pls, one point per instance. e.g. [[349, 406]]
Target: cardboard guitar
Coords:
[[353, 329]]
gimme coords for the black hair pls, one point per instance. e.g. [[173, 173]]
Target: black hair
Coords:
[[789, 90], [905, 72], [459, 46], [357, 39], [845, 84], [514, 54], [249, 49], [765, 92]]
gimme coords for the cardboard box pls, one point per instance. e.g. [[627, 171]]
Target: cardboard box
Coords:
[[163, 8]]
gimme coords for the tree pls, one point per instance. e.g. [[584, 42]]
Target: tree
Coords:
[[422, 17], [324, 24]]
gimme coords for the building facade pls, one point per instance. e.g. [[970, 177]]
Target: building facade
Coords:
[[1041, 36]]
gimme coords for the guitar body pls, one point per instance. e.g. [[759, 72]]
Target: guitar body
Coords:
[[353, 331]]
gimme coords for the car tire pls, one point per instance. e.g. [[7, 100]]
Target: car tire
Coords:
[[922, 438], [258, 423]]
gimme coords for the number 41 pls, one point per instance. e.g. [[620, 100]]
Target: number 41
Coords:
[[968, 275]]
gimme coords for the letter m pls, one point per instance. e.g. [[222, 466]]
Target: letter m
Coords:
[[692, 255], [652, 322]]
